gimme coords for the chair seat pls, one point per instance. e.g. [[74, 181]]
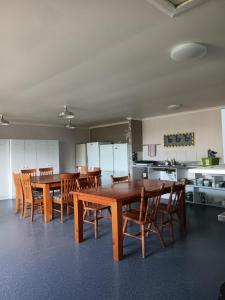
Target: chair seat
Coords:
[[95, 206]]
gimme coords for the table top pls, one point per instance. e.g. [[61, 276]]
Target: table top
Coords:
[[47, 179], [126, 190]]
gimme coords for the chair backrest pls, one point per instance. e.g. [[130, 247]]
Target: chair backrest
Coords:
[[31, 172], [120, 179], [46, 171], [68, 184], [18, 185], [96, 169], [82, 169], [27, 188], [149, 206], [82, 183], [94, 178], [177, 193]]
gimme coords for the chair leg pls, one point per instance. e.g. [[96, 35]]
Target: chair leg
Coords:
[[22, 208], [61, 204], [96, 224], [171, 229], [32, 211], [67, 208], [25, 210], [160, 236], [125, 226], [143, 240]]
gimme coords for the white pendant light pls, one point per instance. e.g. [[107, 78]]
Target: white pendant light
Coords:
[[3, 121], [69, 125], [66, 114], [188, 51]]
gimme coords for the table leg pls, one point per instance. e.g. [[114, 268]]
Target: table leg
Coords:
[[47, 203], [117, 230], [78, 219]]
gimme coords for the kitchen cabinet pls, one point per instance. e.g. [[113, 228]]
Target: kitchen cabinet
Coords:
[[4, 170]]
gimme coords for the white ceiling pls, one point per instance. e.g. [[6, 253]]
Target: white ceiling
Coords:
[[106, 59]]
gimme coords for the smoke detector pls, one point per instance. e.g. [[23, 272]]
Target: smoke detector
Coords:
[[175, 7]]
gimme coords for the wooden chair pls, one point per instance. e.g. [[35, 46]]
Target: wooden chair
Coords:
[[172, 207], [46, 171], [82, 169], [68, 184], [96, 169], [19, 193], [31, 172], [91, 208], [94, 178], [120, 179], [145, 217], [30, 199]]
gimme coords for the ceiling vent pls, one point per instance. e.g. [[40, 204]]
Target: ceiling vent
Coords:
[[175, 7]]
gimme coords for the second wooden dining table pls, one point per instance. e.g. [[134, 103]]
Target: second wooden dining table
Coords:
[[116, 195]]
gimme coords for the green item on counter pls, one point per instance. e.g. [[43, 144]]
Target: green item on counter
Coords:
[[210, 161]]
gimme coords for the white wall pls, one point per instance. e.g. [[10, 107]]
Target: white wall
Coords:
[[205, 124], [67, 140]]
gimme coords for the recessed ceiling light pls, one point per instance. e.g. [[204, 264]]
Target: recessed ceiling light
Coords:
[[174, 106], [66, 114], [188, 51], [3, 121]]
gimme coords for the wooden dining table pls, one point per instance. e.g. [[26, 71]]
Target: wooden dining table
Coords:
[[117, 195], [47, 183]]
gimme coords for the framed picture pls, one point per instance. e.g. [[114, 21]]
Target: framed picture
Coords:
[[179, 139]]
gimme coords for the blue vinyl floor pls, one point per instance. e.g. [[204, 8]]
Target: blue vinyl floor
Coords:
[[39, 261]]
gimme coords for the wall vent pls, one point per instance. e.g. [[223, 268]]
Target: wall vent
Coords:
[[175, 7]]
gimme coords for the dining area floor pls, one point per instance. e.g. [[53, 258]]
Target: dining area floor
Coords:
[[41, 261]]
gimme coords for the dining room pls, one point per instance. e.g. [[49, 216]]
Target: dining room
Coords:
[[112, 149]]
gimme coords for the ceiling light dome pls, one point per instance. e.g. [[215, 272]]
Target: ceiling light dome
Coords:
[[3, 121], [188, 51], [69, 125], [66, 114]]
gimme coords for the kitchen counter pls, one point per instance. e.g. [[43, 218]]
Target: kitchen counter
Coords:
[[218, 170]]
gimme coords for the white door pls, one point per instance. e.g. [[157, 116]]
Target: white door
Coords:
[[120, 153], [81, 155], [30, 154], [4, 169], [93, 155], [17, 162], [106, 158], [53, 155]]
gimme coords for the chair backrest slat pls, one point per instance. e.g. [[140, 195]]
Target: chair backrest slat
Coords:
[[27, 188], [149, 206], [94, 178], [31, 172], [18, 185], [46, 171], [68, 184]]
